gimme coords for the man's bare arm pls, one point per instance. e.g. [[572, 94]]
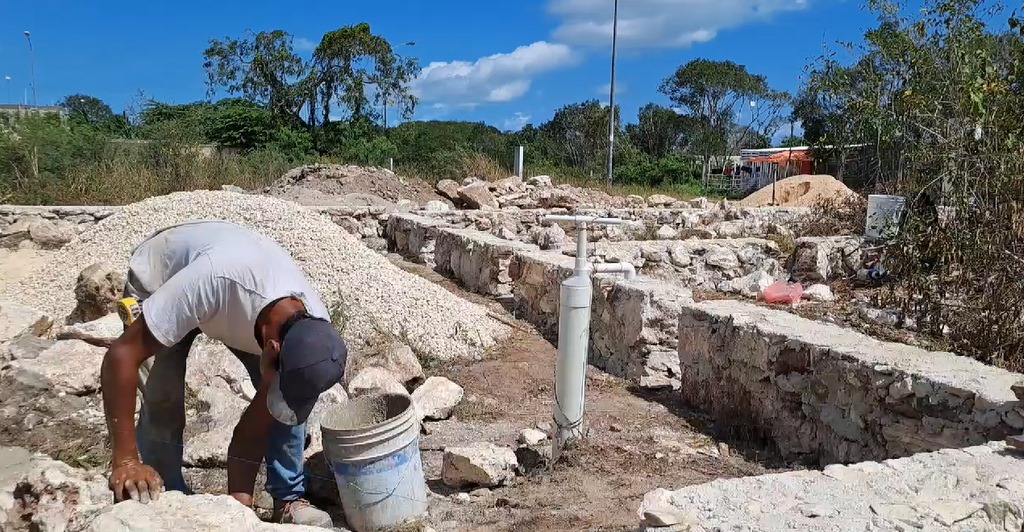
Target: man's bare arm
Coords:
[[249, 445], [119, 378]]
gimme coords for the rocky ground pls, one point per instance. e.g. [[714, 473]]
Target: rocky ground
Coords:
[[636, 442]]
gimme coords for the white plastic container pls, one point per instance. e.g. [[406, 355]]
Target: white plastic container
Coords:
[[372, 444], [884, 216]]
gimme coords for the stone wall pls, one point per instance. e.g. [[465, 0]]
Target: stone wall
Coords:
[[703, 264], [823, 259], [633, 328], [831, 394], [975, 489], [644, 224]]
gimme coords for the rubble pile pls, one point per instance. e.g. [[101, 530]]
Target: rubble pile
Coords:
[[349, 185]]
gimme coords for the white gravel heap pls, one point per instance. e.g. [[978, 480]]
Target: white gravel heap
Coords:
[[373, 293]]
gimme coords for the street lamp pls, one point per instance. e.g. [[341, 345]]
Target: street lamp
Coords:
[[32, 64], [8, 80], [611, 93], [386, 95]]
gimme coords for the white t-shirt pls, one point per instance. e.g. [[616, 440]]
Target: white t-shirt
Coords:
[[216, 276]]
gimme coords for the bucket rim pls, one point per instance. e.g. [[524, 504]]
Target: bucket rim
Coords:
[[403, 418]]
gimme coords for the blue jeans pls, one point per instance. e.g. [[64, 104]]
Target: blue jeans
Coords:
[[162, 422]]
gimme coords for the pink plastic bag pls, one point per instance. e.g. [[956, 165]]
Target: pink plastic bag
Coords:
[[782, 293]]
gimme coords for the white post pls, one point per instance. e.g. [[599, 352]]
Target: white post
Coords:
[[519, 162], [391, 164]]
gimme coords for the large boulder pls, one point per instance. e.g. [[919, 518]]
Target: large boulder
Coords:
[[186, 513], [374, 380], [52, 235], [39, 493], [394, 357], [69, 366], [97, 291], [477, 196], [436, 398], [17, 319], [448, 189], [482, 464]]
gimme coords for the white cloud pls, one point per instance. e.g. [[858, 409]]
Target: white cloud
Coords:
[[303, 44], [659, 23], [516, 122], [493, 79]]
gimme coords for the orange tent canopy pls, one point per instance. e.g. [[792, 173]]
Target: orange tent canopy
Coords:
[[784, 157]]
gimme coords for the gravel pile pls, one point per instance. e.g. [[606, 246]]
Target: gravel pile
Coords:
[[375, 295]]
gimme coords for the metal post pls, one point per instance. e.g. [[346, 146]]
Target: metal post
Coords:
[[519, 162], [391, 164], [611, 93], [32, 64], [8, 80]]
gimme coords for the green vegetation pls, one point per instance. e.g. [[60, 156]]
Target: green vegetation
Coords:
[[283, 110], [937, 94]]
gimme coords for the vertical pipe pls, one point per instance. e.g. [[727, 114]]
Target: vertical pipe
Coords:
[[391, 164], [573, 343], [611, 93], [519, 162]]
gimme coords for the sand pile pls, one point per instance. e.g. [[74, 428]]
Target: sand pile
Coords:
[[798, 191], [374, 294], [348, 185]]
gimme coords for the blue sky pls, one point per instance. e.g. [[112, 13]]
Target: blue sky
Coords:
[[506, 66]]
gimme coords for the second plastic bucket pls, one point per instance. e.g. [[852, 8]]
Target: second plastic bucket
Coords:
[[372, 444]]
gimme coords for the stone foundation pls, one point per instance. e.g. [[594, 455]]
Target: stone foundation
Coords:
[[975, 489], [830, 394]]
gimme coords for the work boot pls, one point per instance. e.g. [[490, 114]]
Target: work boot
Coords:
[[300, 512]]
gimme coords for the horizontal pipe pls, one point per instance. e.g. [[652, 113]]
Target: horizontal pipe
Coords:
[[616, 267], [582, 219]]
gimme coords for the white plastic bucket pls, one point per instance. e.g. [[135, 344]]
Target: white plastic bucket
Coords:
[[372, 444], [883, 217]]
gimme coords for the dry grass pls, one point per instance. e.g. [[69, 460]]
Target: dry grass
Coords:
[[835, 215]]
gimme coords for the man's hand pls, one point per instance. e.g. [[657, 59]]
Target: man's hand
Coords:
[[137, 481]]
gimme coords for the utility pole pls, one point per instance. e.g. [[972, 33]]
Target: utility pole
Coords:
[[611, 93], [8, 80], [32, 64]]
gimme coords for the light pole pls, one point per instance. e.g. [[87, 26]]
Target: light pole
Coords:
[[386, 95], [8, 80], [32, 64], [611, 93]]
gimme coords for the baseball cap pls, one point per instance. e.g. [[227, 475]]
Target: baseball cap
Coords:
[[312, 360]]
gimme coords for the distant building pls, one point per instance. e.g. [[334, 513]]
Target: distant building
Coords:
[[19, 110]]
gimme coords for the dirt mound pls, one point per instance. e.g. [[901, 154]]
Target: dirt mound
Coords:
[[798, 191], [356, 186]]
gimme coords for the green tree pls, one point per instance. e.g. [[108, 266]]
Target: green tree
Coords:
[[87, 109], [712, 93], [351, 60], [262, 68], [660, 131], [578, 133]]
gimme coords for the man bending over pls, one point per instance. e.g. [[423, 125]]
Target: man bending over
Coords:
[[244, 290]]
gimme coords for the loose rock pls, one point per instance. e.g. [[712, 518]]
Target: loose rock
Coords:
[[39, 493], [187, 513], [819, 292], [97, 290], [69, 366], [660, 200], [52, 235], [101, 332], [477, 196], [374, 380], [16, 319], [531, 437], [481, 464], [393, 356], [436, 398]]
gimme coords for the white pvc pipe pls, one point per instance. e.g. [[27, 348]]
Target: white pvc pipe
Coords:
[[616, 267], [574, 337]]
